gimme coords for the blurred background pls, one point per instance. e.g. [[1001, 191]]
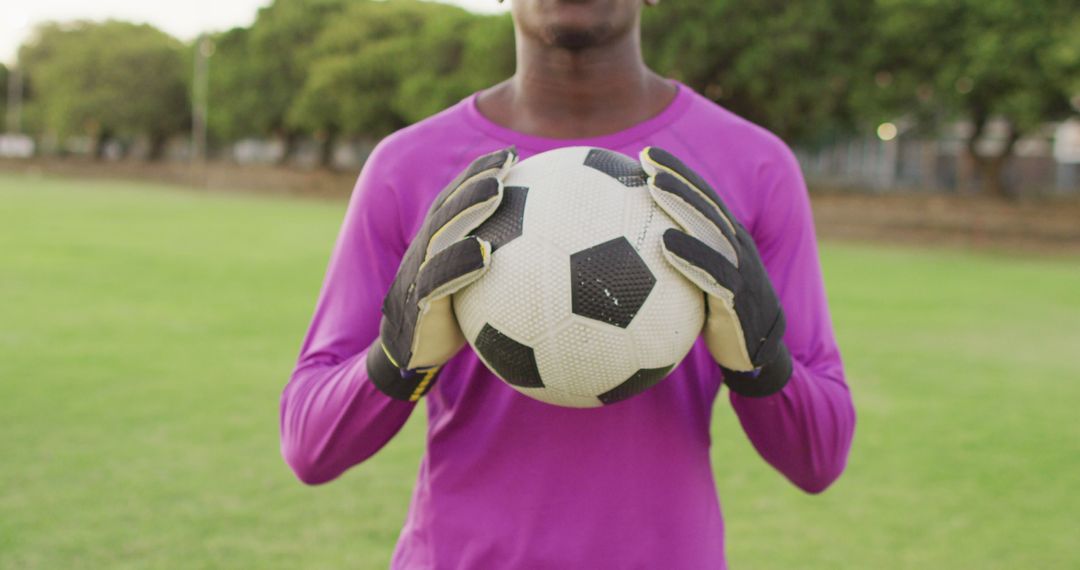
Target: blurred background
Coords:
[[173, 175]]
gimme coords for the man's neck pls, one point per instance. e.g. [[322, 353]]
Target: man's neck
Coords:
[[559, 93]]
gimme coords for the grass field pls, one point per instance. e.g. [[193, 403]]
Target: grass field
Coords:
[[147, 333]]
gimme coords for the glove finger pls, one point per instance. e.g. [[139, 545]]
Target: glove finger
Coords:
[[452, 268], [495, 164], [721, 281], [654, 160], [437, 336], [467, 209], [506, 223], [694, 214], [704, 266]]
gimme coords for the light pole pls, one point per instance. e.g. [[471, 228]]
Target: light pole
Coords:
[[204, 48], [14, 101]]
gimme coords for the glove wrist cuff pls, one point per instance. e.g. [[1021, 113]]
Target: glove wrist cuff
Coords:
[[399, 384], [765, 381]]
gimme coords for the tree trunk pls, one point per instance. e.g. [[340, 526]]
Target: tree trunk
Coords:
[[157, 147], [991, 169], [326, 151], [990, 174], [100, 141], [291, 139]]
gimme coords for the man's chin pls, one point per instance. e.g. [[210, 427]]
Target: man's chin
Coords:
[[575, 38]]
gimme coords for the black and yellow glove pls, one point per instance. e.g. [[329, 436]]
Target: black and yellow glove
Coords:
[[419, 332], [744, 325]]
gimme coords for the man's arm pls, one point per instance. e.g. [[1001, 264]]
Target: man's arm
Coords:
[[767, 322], [332, 415], [805, 429]]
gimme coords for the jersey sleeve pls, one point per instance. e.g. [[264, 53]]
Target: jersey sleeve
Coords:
[[332, 416], [805, 429]]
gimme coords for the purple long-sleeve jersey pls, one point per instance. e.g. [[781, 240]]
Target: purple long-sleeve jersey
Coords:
[[509, 482]]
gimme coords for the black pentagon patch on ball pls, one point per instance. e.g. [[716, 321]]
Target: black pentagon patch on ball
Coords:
[[641, 380], [506, 223], [610, 282], [512, 361], [618, 166]]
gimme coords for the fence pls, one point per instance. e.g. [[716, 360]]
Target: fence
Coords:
[[1047, 162]]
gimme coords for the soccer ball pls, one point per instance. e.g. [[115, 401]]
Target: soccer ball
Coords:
[[579, 308]]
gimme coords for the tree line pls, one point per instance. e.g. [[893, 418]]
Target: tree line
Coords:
[[332, 70]]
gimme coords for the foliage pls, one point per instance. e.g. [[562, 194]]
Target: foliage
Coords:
[[786, 65], [938, 61], [278, 56], [810, 71], [384, 65], [106, 79], [235, 95], [4, 75], [357, 67], [973, 60], [466, 57]]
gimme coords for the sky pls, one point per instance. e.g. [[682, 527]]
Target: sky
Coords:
[[184, 19]]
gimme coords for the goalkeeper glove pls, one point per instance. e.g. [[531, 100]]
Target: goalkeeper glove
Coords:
[[744, 325], [418, 332]]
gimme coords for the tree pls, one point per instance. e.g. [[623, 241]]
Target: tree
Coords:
[[356, 69], [384, 65], [788, 66], [235, 98], [454, 59], [937, 61], [279, 47], [105, 80], [4, 73]]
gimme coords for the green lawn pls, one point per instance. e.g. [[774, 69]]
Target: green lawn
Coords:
[[147, 333]]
